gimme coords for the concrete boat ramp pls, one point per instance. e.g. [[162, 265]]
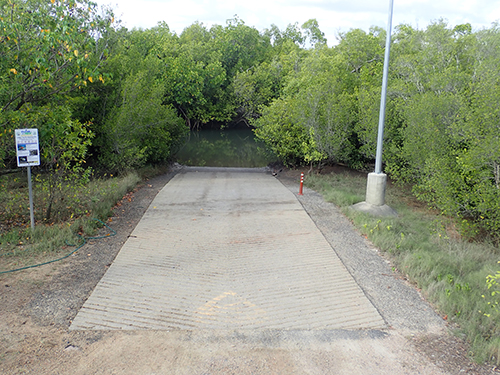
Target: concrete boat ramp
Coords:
[[227, 249]]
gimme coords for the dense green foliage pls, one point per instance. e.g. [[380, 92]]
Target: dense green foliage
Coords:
[[445, 85], [442, 128], [48, 50], [108, 99]]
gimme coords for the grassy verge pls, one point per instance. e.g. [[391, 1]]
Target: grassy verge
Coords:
[[427, 248], [22, 247]]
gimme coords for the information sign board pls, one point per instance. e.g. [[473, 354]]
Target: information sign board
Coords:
[[27, 147]]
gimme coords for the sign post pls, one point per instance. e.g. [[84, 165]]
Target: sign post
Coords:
[[28, 155]]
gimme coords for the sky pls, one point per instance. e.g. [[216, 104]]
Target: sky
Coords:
[[333, 16]]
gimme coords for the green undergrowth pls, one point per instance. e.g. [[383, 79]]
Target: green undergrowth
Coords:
[[426, 246], [20, 246]]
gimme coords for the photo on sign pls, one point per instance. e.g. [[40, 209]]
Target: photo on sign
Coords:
[[21, 147], [23, 159], [33, 152]]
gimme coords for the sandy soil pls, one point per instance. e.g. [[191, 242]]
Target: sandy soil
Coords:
[[37, 306]]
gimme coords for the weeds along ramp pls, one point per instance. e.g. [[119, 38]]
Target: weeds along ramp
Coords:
[[226, 249]]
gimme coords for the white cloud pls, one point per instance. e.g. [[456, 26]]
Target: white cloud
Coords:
[[332, 15]]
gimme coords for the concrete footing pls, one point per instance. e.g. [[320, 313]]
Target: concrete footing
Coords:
[[375, 189], [375, 197], [373, 210]]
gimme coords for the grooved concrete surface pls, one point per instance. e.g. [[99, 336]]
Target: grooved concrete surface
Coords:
[[227, 249]]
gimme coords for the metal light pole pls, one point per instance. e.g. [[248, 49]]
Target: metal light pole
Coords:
[[381, 120], [375, 189]]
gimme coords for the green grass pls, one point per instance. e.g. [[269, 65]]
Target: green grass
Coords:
[[21, 247], [426, 247]]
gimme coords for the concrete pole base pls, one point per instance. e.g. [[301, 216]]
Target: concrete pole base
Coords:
[[377, 211], [375, 197], [375, 189]]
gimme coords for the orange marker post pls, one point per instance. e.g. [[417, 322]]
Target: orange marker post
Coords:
[[301, 183]]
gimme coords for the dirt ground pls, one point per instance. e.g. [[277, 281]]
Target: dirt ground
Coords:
[[38, 305]]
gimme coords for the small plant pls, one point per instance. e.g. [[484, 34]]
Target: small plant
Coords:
[[376, 227], [449, 278], [398, 245], [494, 291]]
